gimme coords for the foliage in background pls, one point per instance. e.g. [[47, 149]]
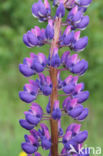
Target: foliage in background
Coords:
[[15, 20]]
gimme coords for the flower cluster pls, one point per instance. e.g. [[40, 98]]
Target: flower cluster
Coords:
[[52, 85]]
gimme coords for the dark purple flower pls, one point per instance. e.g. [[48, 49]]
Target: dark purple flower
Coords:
[[34, 37], [60, 12], [34, 64], [31, 145], [69, 85], [45, 84], [49, 31], [56, 114], [41, 10], [55, 60], [75, 65], [30, 92], [75, 15]]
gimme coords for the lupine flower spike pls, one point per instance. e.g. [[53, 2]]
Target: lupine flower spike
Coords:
[[52, 84]]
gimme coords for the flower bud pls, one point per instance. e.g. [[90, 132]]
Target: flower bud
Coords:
[[49, 32], [56, 113], [60, 12]]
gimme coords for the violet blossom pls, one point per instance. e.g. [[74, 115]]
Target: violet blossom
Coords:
[[52, 85]]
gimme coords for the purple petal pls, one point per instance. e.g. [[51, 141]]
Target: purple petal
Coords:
[[81, 137], [32, 38], [77, 17], [83, 115], [26, 97], [75, 112], [35, 9], [68, 89], [32, 119], [28, 148], [83, 96], [84, 23], [80, 67], [26, 41], [25, 70], [65, 56], [69, 38], [26, 125]]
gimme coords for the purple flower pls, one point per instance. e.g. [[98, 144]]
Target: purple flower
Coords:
[[30, 92], [80, 44], [29, 148], [74, 137], [26, 124], [82, 96], [75, 110], [49, 31], [41, 10], [83, 115], [75, 15], [34, 64], [34, 37], [84, 23], [74, 64], [32, 117], [60, 12], [31, 145], [81, 137], [76, 19], [68, 85], [56, 114], [45, 137], [55, 60], [68, 37], [45, 84]]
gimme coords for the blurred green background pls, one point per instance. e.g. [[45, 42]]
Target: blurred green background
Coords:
[[15, 20]]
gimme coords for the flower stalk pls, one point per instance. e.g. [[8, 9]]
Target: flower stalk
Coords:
[[54, 123]]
